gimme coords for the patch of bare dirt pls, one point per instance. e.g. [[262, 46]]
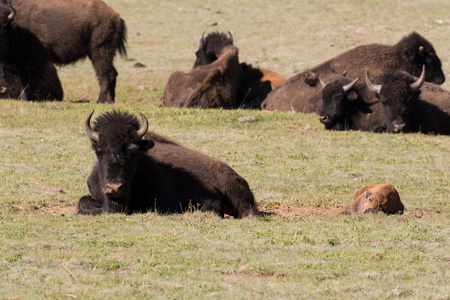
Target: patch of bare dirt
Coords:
[[291, 211], [48, 209]]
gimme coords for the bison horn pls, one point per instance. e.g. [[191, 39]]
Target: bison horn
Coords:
[[322, 82], [348, 87], [231, 36], [421, 49], [89, 131], [201, 43], [376, 88], [144, 126], [11, 15], [416, 85]]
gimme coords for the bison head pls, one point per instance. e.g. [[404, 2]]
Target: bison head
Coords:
[[211, 47], [373, 202], [335, 98], [117, 140], [396, 91], [7, 14], [419, 52]]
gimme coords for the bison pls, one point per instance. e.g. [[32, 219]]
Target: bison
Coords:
[[347, 105], [24, 57], [428, 110], [409, 54], [253, 84], [374, 198], [215, 85], [139, 171], [300, 93], [73, 29]]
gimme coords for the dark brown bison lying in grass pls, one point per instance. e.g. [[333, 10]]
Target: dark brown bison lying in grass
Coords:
[[374, 198], [409, 54], [139, 171], [215, 85], [380, 107], [218, 80], [73, 29], [426, 110]]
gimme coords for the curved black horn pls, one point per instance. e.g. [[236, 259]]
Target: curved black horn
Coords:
[[231, 37], [89, 131], [416, 85], [201, 43], [376, 88], [348, 87], [144, 126]]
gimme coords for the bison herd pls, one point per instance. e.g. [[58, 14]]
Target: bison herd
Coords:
[[378, 88]]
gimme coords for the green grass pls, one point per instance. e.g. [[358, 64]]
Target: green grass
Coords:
[[47, 251]]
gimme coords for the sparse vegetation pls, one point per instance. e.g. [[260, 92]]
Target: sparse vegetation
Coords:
[[289, 160]]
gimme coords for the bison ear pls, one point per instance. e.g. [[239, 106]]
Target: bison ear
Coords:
[[352, 96], [145, 145], [367, 196]]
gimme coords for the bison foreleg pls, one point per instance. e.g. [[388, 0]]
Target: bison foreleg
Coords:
[[89, 206]]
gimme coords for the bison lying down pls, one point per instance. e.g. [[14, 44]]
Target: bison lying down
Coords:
[[139, 171], [374, 198]]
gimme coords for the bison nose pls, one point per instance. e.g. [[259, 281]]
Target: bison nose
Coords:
[[113, 190], [324, 119], [396, 128]]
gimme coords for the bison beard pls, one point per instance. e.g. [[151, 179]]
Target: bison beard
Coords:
[[139, 171]]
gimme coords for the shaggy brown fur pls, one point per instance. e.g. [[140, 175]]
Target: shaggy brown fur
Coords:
[[73, 29], [215, 85], [431, 114], [27, 71], [409, 54], [258, 83], [139, 171], [300, 93], [374, 198]]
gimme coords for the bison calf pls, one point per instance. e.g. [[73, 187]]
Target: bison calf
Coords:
[[139, 171], [374, 198]]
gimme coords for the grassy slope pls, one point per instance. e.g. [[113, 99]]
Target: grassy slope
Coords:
[[287, 158]]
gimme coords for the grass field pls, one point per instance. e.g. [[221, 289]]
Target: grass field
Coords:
[[292, 164]]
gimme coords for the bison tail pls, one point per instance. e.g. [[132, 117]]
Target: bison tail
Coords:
[[122, 39]]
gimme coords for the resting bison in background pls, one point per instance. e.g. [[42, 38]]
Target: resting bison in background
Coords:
[[374, 198], [139, 171], [256, 83], [73, 29], [215, 85], [300, 93], [409, 54], [23, 55], [431, 114], [369, 107], [428, 111]]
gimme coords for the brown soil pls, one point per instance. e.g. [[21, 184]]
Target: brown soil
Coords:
[[283, 210]]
